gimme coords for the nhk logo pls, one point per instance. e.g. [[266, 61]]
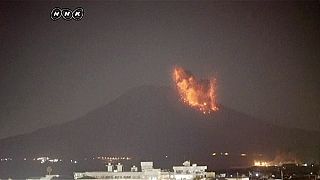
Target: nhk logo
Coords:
[[67, 14]]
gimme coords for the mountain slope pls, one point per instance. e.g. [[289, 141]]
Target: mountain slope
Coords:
[[149, 123]]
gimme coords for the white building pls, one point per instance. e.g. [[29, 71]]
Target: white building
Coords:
[[188, 171], [185, 172]]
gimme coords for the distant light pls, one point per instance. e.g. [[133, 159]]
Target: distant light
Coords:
[[261, 163], [257, 174], [305, 164], [226, 154], [243, 154], [213, 154]]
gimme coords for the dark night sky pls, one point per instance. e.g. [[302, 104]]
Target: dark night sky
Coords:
[[266, 56]]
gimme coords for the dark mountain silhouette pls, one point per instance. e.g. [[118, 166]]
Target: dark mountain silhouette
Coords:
[[150, 123]]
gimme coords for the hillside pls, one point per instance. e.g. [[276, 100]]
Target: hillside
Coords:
[[150, 123]]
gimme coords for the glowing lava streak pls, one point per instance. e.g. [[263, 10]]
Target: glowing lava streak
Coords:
[[199, 94]]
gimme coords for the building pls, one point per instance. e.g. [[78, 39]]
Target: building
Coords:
[[184, 172], [188, 171]]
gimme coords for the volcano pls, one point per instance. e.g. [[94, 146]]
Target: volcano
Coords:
[[151, 123]]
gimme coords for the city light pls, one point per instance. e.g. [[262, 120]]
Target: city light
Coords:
[[261, 163]]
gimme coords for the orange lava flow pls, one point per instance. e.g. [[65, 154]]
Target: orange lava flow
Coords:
[[199, 94]]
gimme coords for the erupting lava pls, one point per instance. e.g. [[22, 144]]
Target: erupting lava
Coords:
[[199, 94]]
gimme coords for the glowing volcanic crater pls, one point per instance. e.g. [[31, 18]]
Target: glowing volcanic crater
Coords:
[[199, 94]]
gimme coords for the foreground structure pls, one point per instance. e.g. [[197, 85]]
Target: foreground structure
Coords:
[[184, 172]]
